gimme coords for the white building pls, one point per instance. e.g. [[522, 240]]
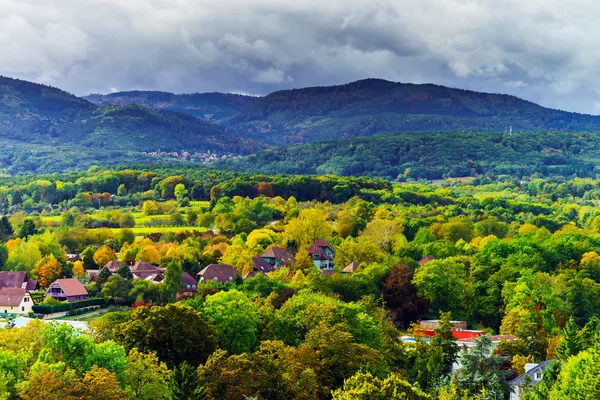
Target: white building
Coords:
[[15, 301]]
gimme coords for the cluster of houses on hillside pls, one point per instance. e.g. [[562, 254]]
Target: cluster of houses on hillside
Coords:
[[198, 157], [15, 287]]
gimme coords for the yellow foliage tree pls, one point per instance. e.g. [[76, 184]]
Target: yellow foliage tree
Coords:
[[78, 270], [48, 270], [149, 254], [103, 255], [239, 258]]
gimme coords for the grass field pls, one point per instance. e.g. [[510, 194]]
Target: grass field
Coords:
[[146, 230]]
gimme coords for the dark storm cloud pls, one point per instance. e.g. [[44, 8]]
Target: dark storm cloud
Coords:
[[544, 51]]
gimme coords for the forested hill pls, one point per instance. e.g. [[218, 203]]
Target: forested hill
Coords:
[[207, 106], [375, 106], [35, 118], [435, 155]]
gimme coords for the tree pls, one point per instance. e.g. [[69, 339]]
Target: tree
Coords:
[[401, 297], [87, 256], [180, 192], [99, 384], [6, 229], [579, 377], [78, 270], [48, 270], [116, 290], [171, 282], [48, 383], [364, 386], [149, 254], [570, 343], [103, 255], [175, 332], [150, 207], [146, 376], [310, 225], [442, 282], [361, 249], [302, 260], [27, 229], [236, 318], [185, 383], [125, 272], [103, 276], [121, 191]]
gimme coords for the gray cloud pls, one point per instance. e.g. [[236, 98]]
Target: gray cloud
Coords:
[[542, 50]]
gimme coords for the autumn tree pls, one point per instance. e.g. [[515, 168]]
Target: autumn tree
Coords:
[[401, 297], [99, 384], [364, 386], [103, 255], [146, 376], [78, 270], [310, 225], [48, 270]]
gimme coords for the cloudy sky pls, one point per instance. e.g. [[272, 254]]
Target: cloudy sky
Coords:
[[542, 50]]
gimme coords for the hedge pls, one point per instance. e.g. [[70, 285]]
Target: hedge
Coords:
[[53, 308]]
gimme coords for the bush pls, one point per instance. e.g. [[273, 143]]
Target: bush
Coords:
[[53, 308]]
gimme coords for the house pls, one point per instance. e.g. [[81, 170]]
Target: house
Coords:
[[188, 285], [252, 274], [69, 289], [322, 254], [145, 270], [534, 372], [18, 279], [353, 266], [260, 264], [426, 259], [459, 329], [113, 266], [277, 257], [15, 301], [217, 273]]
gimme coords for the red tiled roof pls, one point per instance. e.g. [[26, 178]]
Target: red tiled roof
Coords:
[[426, 259], [314, 249], [14, 279], [328, 272], [71, 286], [187, 279], [144, 266], [113, 266], [11, 297]]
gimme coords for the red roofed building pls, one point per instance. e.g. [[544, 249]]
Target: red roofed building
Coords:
[[322, 254], [69, 289], [277, 257], [217, 273]]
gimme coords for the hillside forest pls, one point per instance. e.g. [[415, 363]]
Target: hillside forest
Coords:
[[507, 256]]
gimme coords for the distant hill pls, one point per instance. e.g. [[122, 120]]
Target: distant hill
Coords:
[[206, 106], [435, 155], [375, 106], [33, 114]]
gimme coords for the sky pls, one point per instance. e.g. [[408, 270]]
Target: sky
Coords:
[[541, 50]]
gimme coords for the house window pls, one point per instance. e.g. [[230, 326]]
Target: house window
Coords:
[[215, 278], [188, 286], [538, 376], [26, 299], [231, 278], [22, 308]]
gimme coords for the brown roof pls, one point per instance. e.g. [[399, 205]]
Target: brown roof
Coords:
[[187, 279], [71, 286], [155, 276], [32, 285], [260, 264], [426, 259], [14, 279], [314, 249], [328, 272], [353, 266], [280, 254], [252, 274], [113, 266], [2, 283], [323, 243], [144, 266], [11, 297], [217, 273]]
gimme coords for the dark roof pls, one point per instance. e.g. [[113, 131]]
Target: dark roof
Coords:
[[426, 259], [14, 279], [323, 243], [252, 274], [218, 273], [353, 266], [2, 283], [155, 276], [144, 266], [11, 297], [71, 286], [328, 272], [260, 264], [32, 285], [113, 266], [519, 380], [314, 249], [282, 256], [187, 279]]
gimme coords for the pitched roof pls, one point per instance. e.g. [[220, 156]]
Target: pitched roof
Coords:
[[426, 259], [519, 380], [252, 274], [323, 243], [222, 273], [328, 272], [353, 266], [187, 279], [314, 249], [71, 286], [14, 279], [144, 266], [279, 254], [155, 276], [2, 283], [261, 265], [11, 297], [113, 266], [32, 285]]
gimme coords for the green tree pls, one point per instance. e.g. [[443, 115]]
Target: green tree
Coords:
[[443, 283], [125, 272], [364, 386], [185, 383], [171, 282], [87, 256], [236, 318], [103, 276], [146, 376], [28, 229], [6, 229], [570, 343], [116, 290]]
